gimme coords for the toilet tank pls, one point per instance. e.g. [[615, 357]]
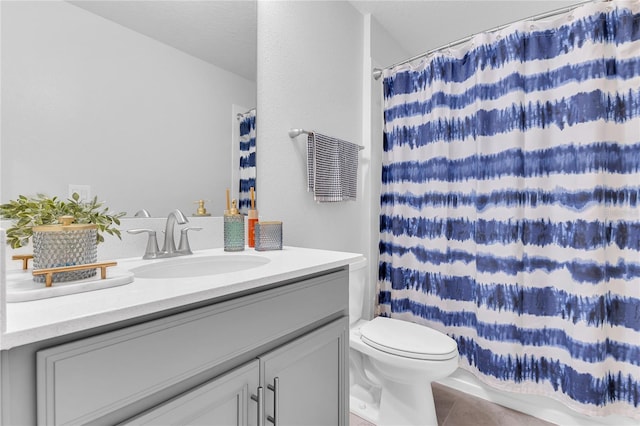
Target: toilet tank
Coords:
[[357, 289]]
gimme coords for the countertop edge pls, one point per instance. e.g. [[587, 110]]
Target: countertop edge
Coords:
[[19, 337]]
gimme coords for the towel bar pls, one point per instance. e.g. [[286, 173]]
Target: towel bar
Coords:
[[297, 132]]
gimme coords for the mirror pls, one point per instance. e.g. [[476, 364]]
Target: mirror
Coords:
[[247, 172], [130, 101]]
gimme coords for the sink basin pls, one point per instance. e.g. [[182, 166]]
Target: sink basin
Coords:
[[186, 267]]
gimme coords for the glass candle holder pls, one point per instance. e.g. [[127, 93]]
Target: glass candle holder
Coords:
[[268, 236]]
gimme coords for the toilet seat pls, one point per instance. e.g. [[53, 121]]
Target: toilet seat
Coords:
[[407, 339]]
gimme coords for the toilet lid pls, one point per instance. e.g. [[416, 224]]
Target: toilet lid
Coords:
[[408, 339]]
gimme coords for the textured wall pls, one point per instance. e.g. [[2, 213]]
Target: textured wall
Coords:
[[309, 76]]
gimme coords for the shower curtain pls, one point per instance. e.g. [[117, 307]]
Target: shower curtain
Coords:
[[510, 215], [247, 160]]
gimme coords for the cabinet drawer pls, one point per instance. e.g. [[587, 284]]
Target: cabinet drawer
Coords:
[[83, 380]]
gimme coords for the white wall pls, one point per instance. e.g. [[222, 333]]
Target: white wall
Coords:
[[314, 71], [87, 101], [380, 50], [309, 76]]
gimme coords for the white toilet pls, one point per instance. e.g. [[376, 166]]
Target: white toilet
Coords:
[[392, 363]]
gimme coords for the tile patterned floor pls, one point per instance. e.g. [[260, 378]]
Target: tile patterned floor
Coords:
[[455, 408]]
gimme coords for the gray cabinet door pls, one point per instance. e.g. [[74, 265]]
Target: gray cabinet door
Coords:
[[305, 381], [223, 401]]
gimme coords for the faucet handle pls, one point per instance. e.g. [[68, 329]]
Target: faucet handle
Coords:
[[142, 213], [151, 252], [183, 246]]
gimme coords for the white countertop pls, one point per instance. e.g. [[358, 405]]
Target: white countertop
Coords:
[[28, 322]]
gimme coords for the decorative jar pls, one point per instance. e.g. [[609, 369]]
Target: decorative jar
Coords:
[[65, 244]]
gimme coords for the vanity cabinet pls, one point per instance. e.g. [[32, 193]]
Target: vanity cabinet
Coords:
[[199, 364], [297, 386]]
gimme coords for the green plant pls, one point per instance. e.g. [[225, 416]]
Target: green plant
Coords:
[[42, 210]]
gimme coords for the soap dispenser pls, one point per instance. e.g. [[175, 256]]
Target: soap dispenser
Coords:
[[233, 229], [201, 211]]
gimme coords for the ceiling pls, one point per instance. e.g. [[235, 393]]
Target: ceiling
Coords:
[[223, 32]]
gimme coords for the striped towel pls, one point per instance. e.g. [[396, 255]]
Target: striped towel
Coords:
[[332, 168]]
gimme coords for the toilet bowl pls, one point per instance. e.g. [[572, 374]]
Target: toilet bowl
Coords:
[[393, 362]]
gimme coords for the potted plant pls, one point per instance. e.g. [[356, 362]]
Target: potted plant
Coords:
[[42, 210], [56, 241]]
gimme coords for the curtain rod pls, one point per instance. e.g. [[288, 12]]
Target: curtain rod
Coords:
[[241, 114], [377, 72]]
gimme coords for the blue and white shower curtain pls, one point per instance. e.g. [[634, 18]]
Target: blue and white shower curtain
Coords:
[[247, 160], [510, 214]]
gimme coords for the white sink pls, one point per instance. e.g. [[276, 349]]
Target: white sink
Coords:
[[186, 267]]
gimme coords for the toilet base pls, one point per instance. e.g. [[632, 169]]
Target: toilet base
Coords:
[[401, 404], [364, 407], [364, 394]]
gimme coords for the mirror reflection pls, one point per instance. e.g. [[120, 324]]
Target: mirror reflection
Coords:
[[247, 165], [135, 102]]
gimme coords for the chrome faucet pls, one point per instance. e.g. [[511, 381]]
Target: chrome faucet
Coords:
[[142, 213], [169, 246]]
